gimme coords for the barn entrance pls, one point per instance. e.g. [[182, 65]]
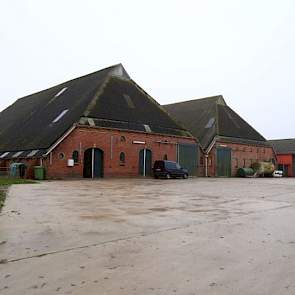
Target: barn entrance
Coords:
[[93, 163], [187, 157], [223, 162], [145, 162]]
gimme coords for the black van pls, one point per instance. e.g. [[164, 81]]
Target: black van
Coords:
[[169, 169]]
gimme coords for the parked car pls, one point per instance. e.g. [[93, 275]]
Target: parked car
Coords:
[[169, 169], [278, 173]]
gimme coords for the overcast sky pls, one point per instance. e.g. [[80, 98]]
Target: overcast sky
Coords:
[[175, 50]]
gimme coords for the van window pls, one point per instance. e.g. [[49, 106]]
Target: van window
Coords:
[[170, 165], [159, 165]]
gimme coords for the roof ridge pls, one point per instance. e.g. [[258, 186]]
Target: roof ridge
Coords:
[[198, 99], [281, 139], [67, 81]]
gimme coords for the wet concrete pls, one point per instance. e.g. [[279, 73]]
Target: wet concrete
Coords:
[[137, 236]]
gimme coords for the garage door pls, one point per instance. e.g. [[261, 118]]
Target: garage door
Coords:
[[188, 157]]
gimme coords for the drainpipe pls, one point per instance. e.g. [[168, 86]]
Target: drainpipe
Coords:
[[206, 165]]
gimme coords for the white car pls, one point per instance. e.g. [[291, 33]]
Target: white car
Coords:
[[278, 173]]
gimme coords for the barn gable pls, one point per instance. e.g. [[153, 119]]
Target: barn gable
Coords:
[[211, 117]]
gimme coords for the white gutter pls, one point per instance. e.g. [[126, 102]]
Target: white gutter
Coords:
[[60, 140]]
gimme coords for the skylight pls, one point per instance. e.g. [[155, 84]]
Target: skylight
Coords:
[[4, 155], [210, 123], [61, 92], [17, 154], [147, 128], [129, 101], [60, 116], [32, 153]]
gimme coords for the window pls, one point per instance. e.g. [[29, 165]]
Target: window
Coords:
[[129, 101], [209, 161], [123, 139], [122, 158], [75, 157], [61, 156], [210, 123], [236, 163], [60, 116], [61, 92], [147, 128], [165, 157], [244, 163], [201, 161]]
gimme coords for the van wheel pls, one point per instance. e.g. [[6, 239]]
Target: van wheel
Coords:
[[185, 176], [168, 176]]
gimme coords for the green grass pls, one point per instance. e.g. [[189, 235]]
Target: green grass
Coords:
[[10, 181], [5, 182]]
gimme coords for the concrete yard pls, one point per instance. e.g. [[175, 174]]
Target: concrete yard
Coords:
[[145, 236]]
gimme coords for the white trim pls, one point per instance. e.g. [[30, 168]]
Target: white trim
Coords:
[[211, 146], [60, 140]]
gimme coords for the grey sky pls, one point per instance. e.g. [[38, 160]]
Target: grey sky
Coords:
[[176, 50]]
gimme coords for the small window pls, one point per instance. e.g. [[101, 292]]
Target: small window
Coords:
[[244, 163], [75, 157], [236, 163], [61, 156], [122, 158], [147, 128], [129, 101], [123, 139], [165, 158], [201, 161], [61, 92], [209, 161], [60, 116], [210, 123]]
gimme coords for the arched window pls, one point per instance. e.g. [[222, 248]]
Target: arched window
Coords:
[[75, 157], [122, 158], [122, 138], [165, 157]]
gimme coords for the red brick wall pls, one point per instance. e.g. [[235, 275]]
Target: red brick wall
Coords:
[[242, 155], [82, 139]]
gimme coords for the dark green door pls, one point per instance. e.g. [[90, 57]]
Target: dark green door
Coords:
[[187, 157], [145, 162], [87, 169], [98, 163], [223, 162], [93, 163]]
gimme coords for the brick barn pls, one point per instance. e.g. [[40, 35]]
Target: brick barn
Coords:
[[228, 141], [285, 152], [101, 124]]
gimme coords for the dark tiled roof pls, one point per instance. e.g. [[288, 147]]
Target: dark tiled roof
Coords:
[[211, 117], [283, 146], [38, 120]]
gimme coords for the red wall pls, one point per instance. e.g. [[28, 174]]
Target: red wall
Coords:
[[83, 138], [287, 160]]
